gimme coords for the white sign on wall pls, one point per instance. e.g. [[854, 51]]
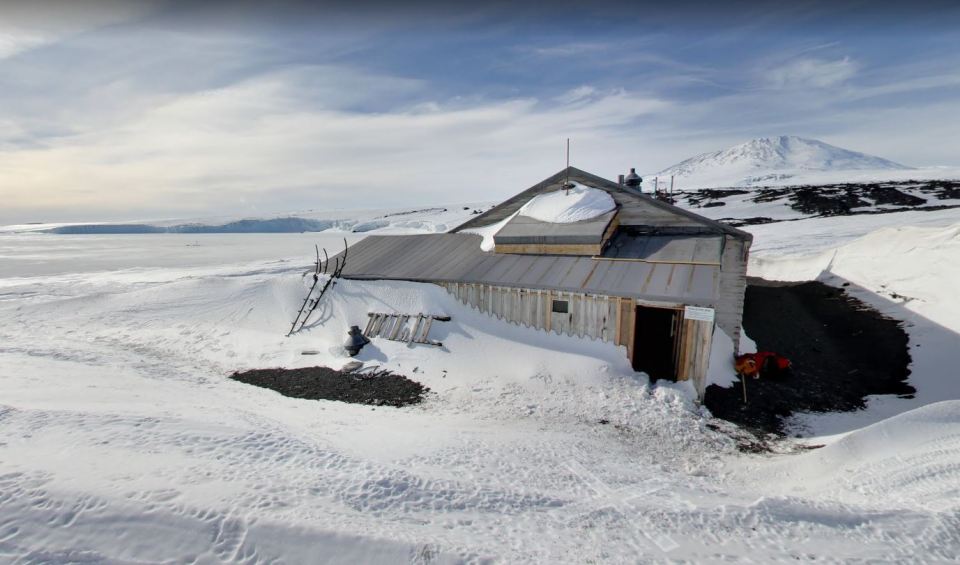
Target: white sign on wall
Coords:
[[698, 313]]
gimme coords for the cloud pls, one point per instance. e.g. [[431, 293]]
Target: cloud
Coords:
[[276, 141], [572, 49], [26, 25], [177, 113], [811, 73], [576, 94]]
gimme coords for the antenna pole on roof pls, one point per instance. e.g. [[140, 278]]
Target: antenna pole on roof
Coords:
[[566, 183]]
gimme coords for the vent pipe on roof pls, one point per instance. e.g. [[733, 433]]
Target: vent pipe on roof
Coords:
[[632, 180]]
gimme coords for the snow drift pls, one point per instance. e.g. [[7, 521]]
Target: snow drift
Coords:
[[566, 206]]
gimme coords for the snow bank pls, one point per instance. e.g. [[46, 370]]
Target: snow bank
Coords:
[[563, 207], [125, 441], [908, 460], [907, 273], [721, 370], [920, 265]]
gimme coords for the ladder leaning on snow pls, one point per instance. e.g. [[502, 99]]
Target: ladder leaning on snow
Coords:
[[311, 302], [395, 327]]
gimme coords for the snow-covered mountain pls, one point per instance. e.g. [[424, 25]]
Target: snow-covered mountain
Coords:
[[770, 160]]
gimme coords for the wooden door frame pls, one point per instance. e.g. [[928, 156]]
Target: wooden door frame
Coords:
[[678, 329]]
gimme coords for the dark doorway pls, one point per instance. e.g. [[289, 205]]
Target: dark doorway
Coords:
[[654, 346]]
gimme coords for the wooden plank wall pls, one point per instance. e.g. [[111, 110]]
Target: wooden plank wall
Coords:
[[589, 315], [608, 318], [695, 354]]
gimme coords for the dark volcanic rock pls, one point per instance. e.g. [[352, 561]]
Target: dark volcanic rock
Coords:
[[740, 222], [711, 196], [842, 351], [824, 201], [889, 195], [323, 383], [948, 190]]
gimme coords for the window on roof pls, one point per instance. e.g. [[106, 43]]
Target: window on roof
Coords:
[[561, 306]]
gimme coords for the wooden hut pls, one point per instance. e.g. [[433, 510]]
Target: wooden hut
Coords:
[[647, 275]]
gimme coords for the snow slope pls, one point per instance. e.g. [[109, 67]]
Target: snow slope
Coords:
[[769, 160], [123, 440]]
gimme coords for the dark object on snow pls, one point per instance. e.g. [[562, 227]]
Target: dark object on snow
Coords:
[[323, 383], [339, 263], [842, 351], [632, 180], [355, 341], [766, 364]]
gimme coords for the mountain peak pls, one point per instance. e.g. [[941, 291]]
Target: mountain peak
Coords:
[[766, 158]]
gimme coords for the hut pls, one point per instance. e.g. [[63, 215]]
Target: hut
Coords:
[[637, 272]]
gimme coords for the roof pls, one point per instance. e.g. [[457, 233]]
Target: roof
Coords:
[[456, 257], [636, 208], [701, 249], [522, 229]]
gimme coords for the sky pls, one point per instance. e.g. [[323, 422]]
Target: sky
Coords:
[[175, 109]]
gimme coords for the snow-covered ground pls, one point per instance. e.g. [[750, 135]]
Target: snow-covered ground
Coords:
[[123, 440]]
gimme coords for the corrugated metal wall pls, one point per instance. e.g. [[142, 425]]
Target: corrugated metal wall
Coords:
[[589, 315]]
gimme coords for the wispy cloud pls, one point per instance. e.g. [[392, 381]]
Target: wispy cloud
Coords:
[[127, 113], [28, 25], [812, 73], [275, 138], [571, 49]]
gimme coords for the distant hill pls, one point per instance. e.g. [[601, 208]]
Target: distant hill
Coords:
[[769, 160]]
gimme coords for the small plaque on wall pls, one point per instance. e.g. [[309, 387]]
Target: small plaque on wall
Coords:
[[698, 313]]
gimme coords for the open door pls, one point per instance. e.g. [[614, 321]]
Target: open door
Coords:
[[656, 342]]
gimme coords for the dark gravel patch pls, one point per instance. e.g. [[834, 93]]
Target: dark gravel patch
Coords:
[[884, 194], [842, 351], [323, 383]]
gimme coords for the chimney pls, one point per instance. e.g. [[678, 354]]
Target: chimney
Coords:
[[620, 180], [633, 180]]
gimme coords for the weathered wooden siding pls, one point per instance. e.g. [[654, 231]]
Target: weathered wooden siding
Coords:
[[608, 318], [733, 287], [695, 344], [589, 315]]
